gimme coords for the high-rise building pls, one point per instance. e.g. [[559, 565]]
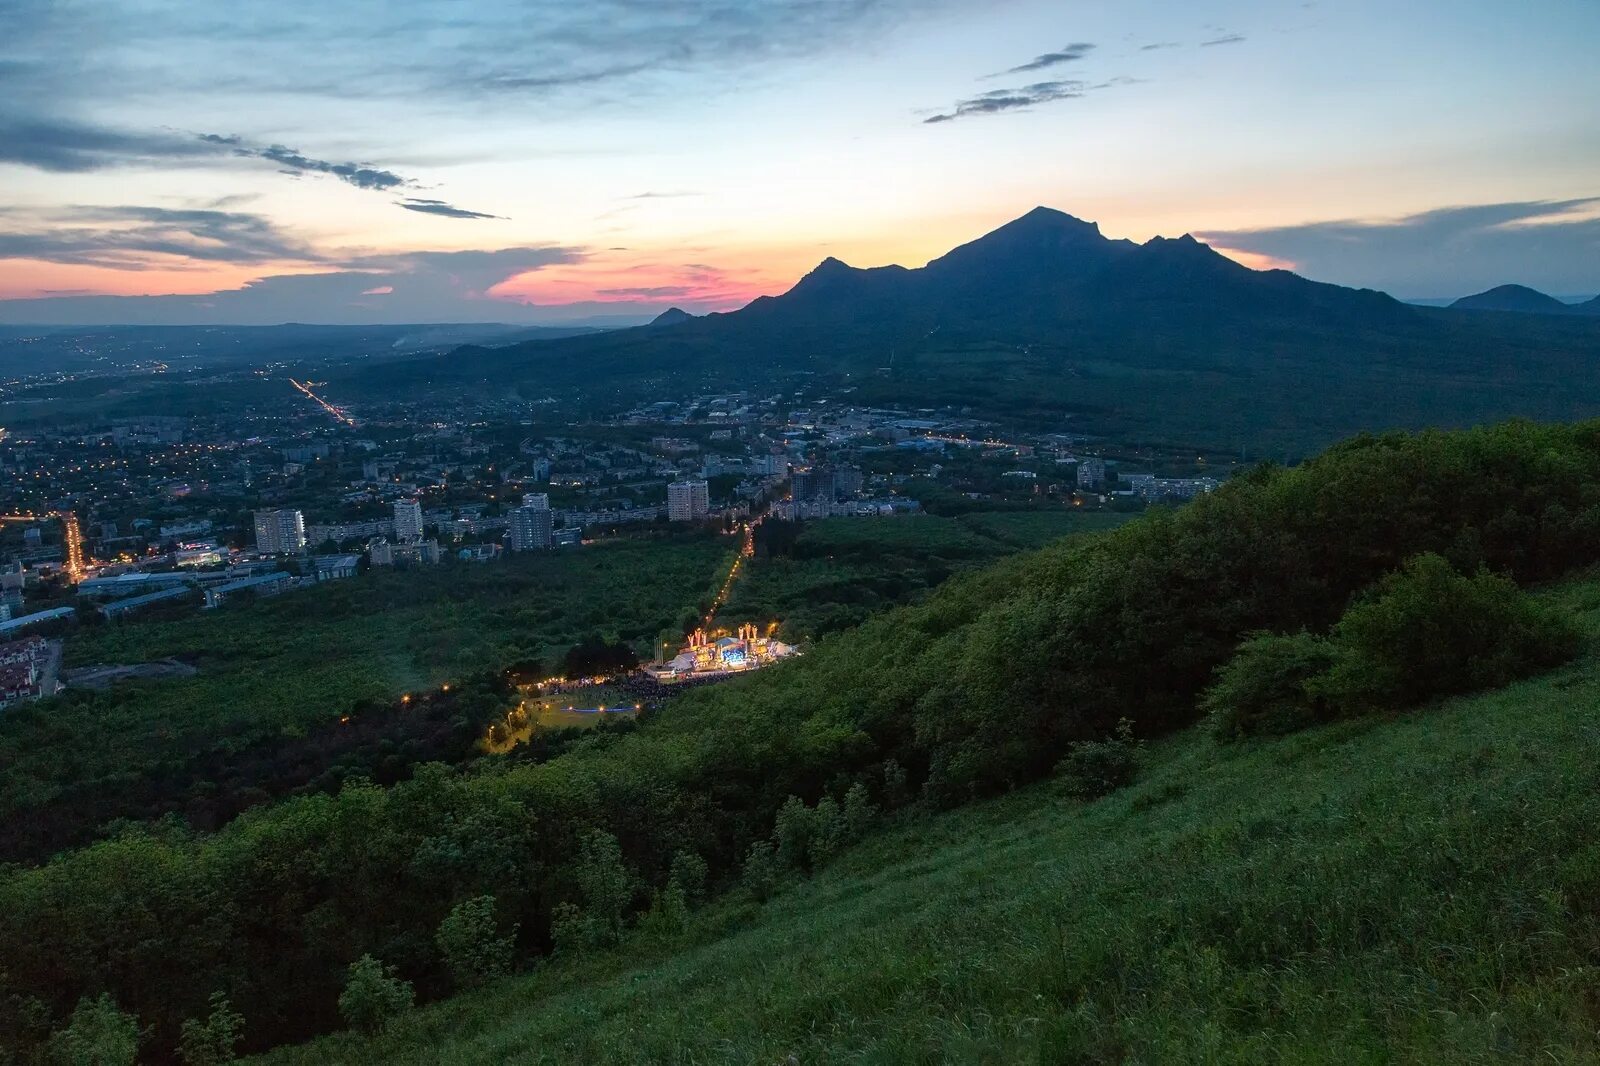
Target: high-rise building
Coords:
[[816, 483], [847, 480], [1091, 473], [407, 519], [688, 501], [536, 499], [530, 529], [280, 532]]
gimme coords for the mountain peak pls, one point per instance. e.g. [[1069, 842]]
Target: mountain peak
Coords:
[[671, 317], [1049, 220]]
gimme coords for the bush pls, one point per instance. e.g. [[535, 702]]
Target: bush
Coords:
[[1427, 631], [213, 1041], [1262, 689], [1094, 768], [373, 995], [98, 1034], [1421, 632], [469, 940]]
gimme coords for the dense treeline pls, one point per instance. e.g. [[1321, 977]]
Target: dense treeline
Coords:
[[275, 677], [375, 741], [983, 686]]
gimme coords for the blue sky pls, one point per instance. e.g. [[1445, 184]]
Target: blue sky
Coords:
[[549, 161]]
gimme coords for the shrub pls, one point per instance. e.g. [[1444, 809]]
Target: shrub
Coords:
[[213, 1041], [469, 940], [1094, 768], [373, 995], [1262, 689], [1427, 631], [98, 1034]]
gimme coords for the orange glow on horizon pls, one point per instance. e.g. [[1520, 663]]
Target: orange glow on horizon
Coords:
[[1254, 260]]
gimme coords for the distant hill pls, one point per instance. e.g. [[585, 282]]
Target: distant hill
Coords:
[[671, 317], [1047, 320], [1513, 298]]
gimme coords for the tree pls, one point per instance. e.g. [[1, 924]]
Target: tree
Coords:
[[97, 1034], [794, 831], [689, 874], [469, 939], [213, 1041], [761, 870], [605, 889], [859, 812], [373, 995]]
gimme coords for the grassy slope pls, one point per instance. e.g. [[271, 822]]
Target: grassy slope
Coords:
[[1426, 889]]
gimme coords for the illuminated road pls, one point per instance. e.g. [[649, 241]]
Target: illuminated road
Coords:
[[337, 412], [745, 551]]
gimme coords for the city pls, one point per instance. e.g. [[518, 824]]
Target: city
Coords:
[[165, 513]]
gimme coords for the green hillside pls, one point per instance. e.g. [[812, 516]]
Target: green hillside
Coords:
[[1363, 584], [1421, 888]]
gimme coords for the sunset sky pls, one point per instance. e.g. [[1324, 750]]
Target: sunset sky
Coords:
[[551, 161]]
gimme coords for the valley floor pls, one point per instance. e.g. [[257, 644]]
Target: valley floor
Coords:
[[1423, 889]]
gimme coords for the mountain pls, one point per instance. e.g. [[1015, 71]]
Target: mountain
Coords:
[[672, 316], [1513, 298], [1050, 271], [1047, 320], [1590, 307]]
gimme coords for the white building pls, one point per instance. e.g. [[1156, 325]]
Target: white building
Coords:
[[407, 519], [539, 500], [688, 501], [280, 532], [530, 529]]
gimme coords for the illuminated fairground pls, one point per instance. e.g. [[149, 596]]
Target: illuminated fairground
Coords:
[[720, 654]]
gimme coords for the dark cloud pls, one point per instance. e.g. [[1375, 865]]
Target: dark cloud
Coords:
[[1000, 101], [1231, 38], [1069, 54], [1552, 245], [361, 175], [64, 146], [439, 207], [1158, 45], [127, 237]]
